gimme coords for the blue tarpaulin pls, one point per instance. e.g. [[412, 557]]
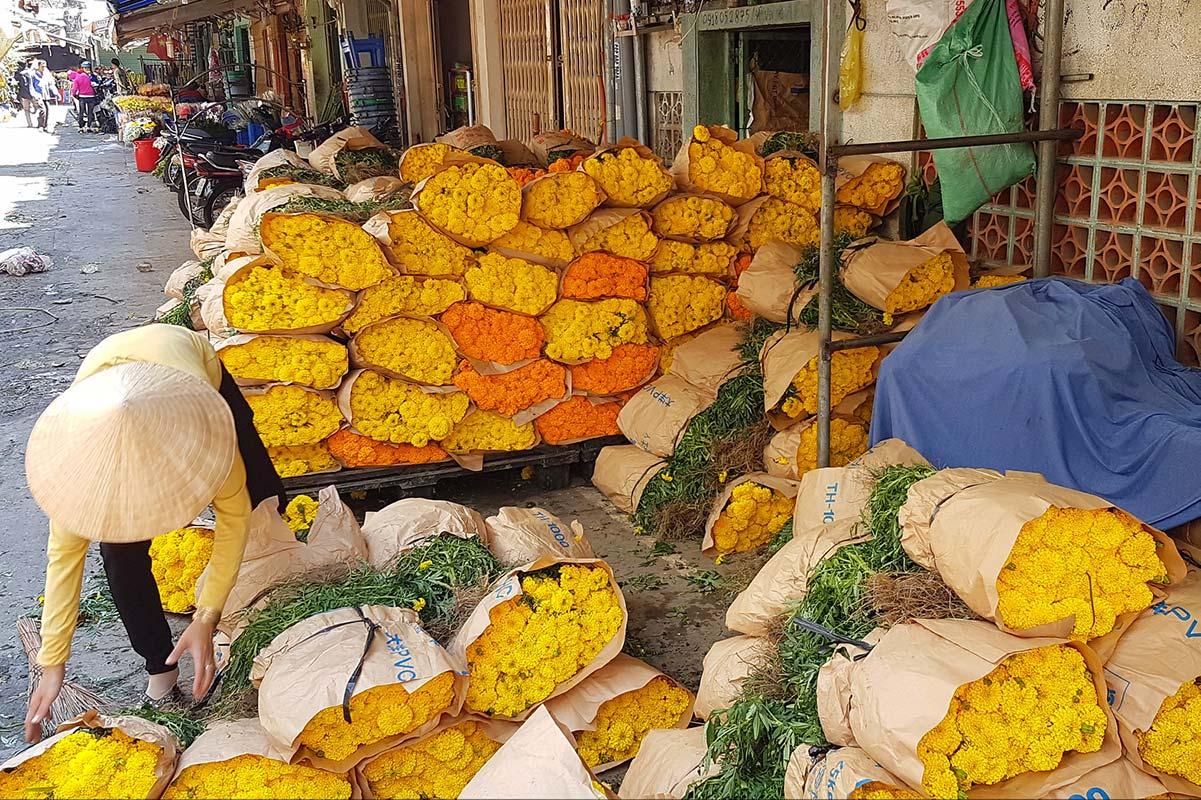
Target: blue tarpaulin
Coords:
[[1076, 381]]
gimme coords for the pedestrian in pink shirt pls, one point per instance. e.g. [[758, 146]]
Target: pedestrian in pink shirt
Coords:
[[82, 90]]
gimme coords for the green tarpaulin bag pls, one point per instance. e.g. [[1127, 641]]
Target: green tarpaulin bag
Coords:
[[969, 86]]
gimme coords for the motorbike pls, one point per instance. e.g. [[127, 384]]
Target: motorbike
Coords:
[[215, 179]]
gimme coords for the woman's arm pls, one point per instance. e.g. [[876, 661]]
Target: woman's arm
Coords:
[[232, 509], [65, 556]]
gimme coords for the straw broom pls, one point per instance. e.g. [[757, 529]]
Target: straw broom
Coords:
[[73, 700]]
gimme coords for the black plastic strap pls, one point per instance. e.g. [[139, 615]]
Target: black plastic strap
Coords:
[[831, 635]]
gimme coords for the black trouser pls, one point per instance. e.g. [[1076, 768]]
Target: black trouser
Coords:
[[87, 112], [127, 565]]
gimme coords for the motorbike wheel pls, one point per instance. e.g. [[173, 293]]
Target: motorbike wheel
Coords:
[[197, 217], [172, 172], [218, 200]]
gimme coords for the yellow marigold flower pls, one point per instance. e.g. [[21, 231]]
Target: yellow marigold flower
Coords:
[[97, 763], [710, 258], [993, 281], [848, 441], [629, 238], [560, 200], [422, 160], [330, 250], [436, 767], [1173, 743], [856, 222], [795, 180], [302, 459], [850, 371], [421, 249], [680, 304], [413, 348], [291, 415], [390, 410], [512, 284], [623, 722], [753, 514], [300, 513], [878, 185], [777, 220], [628, 178], [266, 298], [552, 245], [475, 202], [577, 331], [319, 363], [876, 790], [714, 166], [921, 286], [176, 559], [488, 431], [692, 217], [410, 295], [256, 776]]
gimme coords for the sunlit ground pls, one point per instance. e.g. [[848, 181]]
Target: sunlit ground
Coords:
[[21, 146]]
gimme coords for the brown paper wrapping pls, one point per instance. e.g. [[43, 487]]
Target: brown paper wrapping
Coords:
[[522, 535], [507, 587], [205, 244], [768, 287], [680, 167], [546, 144], [245, 338], [903, 688], [682, 197], [742, 220], [217, 319], [380, 187], [1117, 779], [656, 417], [622, 472], [360, 361], [779, 454], [836, 774], [332, 220], [173, 288], [221, 223], [514, 153], [668, 763], [783, 485], [538, 762], [963, 523], [832, 494], [643, 152], [576, 710], [851, 167], [1156, 655], [783, 355], [597, 221], [783, 580], [133, 727], [410, 522], [452, 161], [324, 156], [243, 234], [552, 177], [872, 272], [307, 668], [710, 358], [276, 158], [725, 669], [468, 137], [834, 691], [347, 386]]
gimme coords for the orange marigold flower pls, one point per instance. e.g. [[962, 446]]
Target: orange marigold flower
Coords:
[[628, 367], [487, 334], [510, 392], [567, 164], [356, 450], [734, 306], [594, 276], [524, 175], [579, 418]]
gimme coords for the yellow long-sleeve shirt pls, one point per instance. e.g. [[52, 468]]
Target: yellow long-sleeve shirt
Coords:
[[188, 352]]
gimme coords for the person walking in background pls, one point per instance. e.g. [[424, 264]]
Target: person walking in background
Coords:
[[48, 87], [85, 93], [25, 81], [121, 77]]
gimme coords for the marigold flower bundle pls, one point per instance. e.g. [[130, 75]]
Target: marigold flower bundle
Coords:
[[331, 250], [541, 638], [921, 286], [709, 258], [510, 392], [578, 418], [413, 348], [437, 766], [176, 559], [692, 217], [993, 281], [551, 245], [777, 220], [474, 202], [848, 441], [850, 371], [316, 362], [1091, 563], [630, 238], [627, 368], [266, 298], [355, 450], [560, 200], [734, 307], [795, 180], [853, 221], [512, 284], [567, 164], [1173, 743], [290, 416], [1022, 717], [300, 513], [623, 722], [578, 331], [487, 431], [96, 763], [753, 515], [410, 295], [390, 410], [716, 166], [594, 276], [681, 304], [378, 713], [525, 175], [629, 178], [301, 459], [875, 187], [875, 790], [488, 334], [250, 775], [418, 247], [422, 160]]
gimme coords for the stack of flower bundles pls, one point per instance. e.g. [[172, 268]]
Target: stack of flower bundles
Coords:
[[439, 764]]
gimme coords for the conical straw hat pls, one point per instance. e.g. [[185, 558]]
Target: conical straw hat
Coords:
[[131, 452]]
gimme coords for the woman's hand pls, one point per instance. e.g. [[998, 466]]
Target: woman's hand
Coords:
[[49, 685], [197, 641]]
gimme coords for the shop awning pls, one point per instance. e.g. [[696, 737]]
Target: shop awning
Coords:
[[140, 18]]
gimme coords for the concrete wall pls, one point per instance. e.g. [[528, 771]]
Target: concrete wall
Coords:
[[886, 111], [665, 68]]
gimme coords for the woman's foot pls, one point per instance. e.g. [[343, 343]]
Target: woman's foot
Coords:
[[170, 699]]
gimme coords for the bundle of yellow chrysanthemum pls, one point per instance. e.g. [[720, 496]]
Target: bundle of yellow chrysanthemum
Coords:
[[510, 392], [874, 188], [300, 513], [422, 160], [331, 250], [850, 371], [410, 295], [176, 559], [436, 767], [551, 246], [630, 176], [874, 790], [390, 410], [489, 432], [417, 247], [560, 200], [993, 281], [535, 632], [692, 218], [416, 349], [848, 441], [780, 221], [256, 776], [301, 459], [578, 331], [512, 284], [680, 304], [1173, 743], [355, 450], [922, 285], [710, 258], [751, 514], [795, 179], [855, 221], [474, 202], [626, 234], [314, 361], [262, 298], [667, 351], [716, 163], [291, 415]]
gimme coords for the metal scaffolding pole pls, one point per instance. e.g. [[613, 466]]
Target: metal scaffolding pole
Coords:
[[826, 266], [1048, 117]]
